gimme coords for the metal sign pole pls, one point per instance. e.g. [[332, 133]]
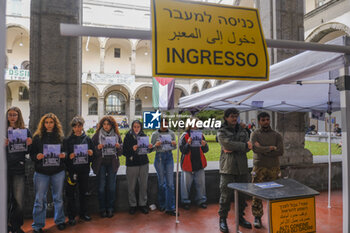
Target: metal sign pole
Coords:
[[78, 30], [3, 172]]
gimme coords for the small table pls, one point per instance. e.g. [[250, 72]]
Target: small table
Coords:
[[288, 191]]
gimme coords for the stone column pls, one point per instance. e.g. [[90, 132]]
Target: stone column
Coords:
[[133, 43], [285, 20], [55, 70], [101, 107], [102, 60], [132, 109]]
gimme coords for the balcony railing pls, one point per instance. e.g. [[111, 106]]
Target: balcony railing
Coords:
[[97, 78]]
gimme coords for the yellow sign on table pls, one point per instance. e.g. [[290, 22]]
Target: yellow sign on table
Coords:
[[293, 216], [203, 40]]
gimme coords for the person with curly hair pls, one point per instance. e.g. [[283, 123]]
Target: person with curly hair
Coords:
[[108, 148], [15, 171], [49, 132]]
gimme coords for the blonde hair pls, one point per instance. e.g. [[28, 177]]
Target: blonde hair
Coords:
[[57, 130], [19, 123]]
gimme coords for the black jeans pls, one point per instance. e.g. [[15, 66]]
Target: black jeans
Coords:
[[82, 181], [15, 198]]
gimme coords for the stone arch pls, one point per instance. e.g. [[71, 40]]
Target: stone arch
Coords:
[[90, 52], [182, 89], [143, 99], [17, 44], [123, 63], [13, 25], [194, 89], [140, 87], [143, 63], [218, 82], [110, 87], [8, 97], [94, 86], [206, 85], [320, 32], [26, 84]]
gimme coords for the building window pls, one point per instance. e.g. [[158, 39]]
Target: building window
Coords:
[[138, 106], [115, 103], [92, 106], [117, 52], [25, 65], [23, 93], [16, 7]]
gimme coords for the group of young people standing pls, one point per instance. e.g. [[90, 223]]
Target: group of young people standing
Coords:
[[65, 173]]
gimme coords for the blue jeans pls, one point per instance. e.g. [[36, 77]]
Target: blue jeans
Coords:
[[164, 165], [41, 185], [187, 178], [106, 177]]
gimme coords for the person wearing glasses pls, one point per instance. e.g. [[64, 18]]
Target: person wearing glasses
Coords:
[[15, 156]]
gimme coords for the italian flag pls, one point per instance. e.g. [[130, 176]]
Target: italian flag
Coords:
[[163, 93]]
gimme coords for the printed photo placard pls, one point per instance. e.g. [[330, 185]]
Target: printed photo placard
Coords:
[[51, 155], [142, 143], [109, 145], [196, 136], [81, 154], [17, 140]]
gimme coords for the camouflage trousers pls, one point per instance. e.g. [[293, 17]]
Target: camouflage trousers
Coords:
[[262, 174], [227, 194]]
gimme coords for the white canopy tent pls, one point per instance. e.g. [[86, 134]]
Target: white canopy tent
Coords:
[[280, 93], [286, 91]]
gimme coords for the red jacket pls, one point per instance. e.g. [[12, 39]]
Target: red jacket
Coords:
[[192, 158]]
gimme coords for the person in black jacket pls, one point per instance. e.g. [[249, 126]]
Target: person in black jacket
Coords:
[[136, 168], [49, 170], [15, 171], [108, 147], [78, 169]]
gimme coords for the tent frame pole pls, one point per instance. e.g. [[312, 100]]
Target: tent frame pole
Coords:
[[177, 175], [329, 159], [343, 85]]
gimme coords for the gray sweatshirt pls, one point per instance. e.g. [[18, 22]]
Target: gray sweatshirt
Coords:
[[156, 136]]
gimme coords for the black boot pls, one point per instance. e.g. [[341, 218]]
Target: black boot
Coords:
[[223, 225], [257, 222], [244, 223]]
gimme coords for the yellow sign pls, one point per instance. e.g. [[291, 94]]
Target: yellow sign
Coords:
[[290, 216], [203, 40]]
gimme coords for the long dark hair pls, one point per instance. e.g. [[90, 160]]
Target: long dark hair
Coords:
[[111, 121], [132, 126], [19, 122]]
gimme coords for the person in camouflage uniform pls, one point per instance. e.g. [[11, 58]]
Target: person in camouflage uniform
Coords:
[[235, 144], [267, 147]]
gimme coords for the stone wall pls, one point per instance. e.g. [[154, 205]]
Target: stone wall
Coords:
[[314, 176]]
